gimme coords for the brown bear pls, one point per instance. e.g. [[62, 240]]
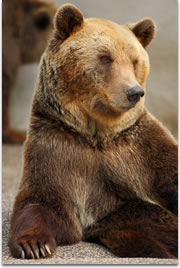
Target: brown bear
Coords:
[[27, 25], [98, 166]]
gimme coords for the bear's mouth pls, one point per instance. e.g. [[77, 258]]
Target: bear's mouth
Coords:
[[124, 107]]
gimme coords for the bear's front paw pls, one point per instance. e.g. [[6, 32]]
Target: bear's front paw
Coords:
[[33, 247]]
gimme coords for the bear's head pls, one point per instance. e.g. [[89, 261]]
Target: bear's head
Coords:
[[98, 65], [36, 28]]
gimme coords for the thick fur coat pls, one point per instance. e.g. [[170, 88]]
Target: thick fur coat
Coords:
[[97, 165]]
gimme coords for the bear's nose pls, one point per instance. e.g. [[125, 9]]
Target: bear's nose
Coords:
[[135, 93]]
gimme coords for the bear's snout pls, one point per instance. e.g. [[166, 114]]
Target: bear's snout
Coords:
[[135, 93]]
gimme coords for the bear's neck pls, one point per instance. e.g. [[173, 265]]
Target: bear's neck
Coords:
[[94, 131], [99, 131]]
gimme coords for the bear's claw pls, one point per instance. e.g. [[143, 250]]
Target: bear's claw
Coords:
[[33, 249], [47, 248], [42, 252], [22, 254]]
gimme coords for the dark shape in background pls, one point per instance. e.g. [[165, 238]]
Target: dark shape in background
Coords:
[[27, 25]]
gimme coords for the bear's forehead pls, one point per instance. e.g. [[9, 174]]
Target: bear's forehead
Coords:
[[99, 37], [103, 34], [109, 30]]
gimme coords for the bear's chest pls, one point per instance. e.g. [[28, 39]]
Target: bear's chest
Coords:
[[92, 200], [126, 167], [99, 182]]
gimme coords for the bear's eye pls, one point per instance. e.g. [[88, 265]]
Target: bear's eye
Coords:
[[105, 59], [135, 62]]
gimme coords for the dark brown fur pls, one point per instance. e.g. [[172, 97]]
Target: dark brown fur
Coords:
[[92, 175], [27, 25]]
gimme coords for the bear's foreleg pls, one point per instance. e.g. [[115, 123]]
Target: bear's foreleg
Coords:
[[36, 231], [33, 232], [137, 229]]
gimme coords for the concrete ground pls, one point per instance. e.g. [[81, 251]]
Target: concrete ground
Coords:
[[161, 100]]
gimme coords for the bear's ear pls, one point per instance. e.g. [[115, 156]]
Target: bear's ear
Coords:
[[144, 30], [68, 19]]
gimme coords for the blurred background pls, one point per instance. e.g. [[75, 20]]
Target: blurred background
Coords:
[[162, 84]]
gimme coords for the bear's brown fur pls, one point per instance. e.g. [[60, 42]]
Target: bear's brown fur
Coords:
[[97, 165], [27, 25]]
